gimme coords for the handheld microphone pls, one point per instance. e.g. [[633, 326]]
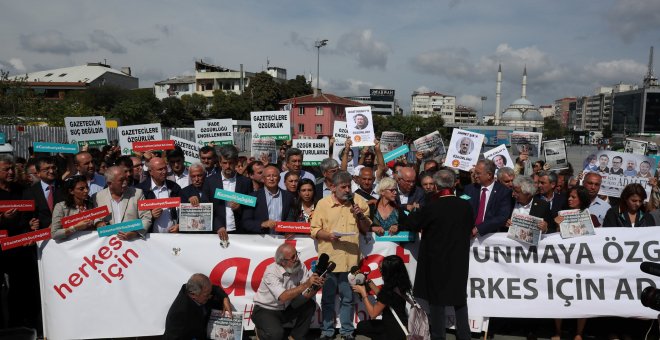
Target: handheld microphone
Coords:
[[331, 266], [650, 268], [355, 277], [349, 198], [322, 263]]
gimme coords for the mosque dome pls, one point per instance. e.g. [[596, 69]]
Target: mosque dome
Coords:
[[533, 115], [511, 114]]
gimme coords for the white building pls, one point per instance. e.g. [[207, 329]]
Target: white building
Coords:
[[209, 78], [434, 104], [174, 87], [382, 102]]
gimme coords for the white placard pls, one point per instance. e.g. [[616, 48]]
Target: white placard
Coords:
[[86, 130], [360, 125], [637, 147], [271, 124], [314, 150], [340, 132], [190, 150], [500, 156], [137, 133], [216, 131], [464, 149]]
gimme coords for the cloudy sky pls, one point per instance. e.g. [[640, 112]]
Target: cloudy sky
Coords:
[[452, 47]]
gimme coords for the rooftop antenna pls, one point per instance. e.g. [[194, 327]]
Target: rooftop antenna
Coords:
[[650, 79]]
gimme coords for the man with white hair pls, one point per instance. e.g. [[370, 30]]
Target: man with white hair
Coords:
[[529, 204], [158, 186], [122, 202], [282, 296], [197, 175]]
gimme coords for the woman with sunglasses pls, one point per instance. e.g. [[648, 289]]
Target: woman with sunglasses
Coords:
[[388, 215], [76, 201], [390, 298]]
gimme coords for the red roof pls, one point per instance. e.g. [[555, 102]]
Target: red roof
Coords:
[[323, 98]]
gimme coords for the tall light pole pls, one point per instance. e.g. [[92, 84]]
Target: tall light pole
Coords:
[[318, 44]]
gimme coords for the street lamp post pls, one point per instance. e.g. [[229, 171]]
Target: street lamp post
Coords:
[[318, 44]]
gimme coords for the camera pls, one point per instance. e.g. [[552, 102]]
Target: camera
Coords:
[[650, 296]]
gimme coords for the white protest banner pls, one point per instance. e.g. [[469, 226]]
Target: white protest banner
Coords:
[[190, 150], [216, 131], [464, 149], [555, 154], [314, 150], [571, 278], [86, 130], [500, 156], [109, 276], [137, 133], [340, 132], [430, 145], [619, 169], [523, 141], [360, 125], [390, 140], [264, 148], [634, 146], [271, 124]]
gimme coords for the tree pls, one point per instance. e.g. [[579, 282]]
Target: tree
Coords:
[[263, 93], [412, 127], [174, 113], [229, 105], [138, 107], [607, 132], [552, 129], [295, 88]]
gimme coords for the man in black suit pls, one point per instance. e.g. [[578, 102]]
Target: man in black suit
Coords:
[[158, 186], [329, 168], [45, 195], [273, 205], [197, 175], [226, 215], [189, 314], [410, 195], [547, 191], [528, 204], [490, 200]]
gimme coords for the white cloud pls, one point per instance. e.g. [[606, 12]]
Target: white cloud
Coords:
[[630, 18], [470, 100], [17, 64], [106, 41], [51, 42], [369, 52], [615, 70]]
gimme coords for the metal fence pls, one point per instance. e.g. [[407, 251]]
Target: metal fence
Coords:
[[22, 137]]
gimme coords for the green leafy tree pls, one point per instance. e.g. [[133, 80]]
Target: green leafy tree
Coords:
[[138, 107], [552, 129], [412, 127], [229, 105], [173, 113], [295, 88], [263, 93]]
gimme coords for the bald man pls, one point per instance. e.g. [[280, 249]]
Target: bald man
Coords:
[[157, 186]]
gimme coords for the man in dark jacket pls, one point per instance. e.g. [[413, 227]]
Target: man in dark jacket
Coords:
[[443, 264], [189, 314]]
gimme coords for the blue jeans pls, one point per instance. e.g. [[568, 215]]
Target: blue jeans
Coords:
[[333, 283]]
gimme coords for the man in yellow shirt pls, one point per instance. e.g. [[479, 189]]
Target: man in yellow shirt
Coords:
[[336, 224]]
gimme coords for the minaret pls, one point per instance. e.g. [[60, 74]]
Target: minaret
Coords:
[[524, 83], [498, 94]]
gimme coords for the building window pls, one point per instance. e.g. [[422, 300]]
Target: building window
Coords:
[[319, 111], [301, 128], [319, 128], [301, 111]]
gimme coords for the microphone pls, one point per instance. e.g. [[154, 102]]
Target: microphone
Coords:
[[322, 263], [331, 266], [355, 277], [349, 198], [650, 268]]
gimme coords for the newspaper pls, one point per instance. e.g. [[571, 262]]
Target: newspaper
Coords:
[[430, 145], [390, 140], [221, 328], [264, 147], [525, 228], [196, 218], [522, 141], [555, 154], [637, 147], [618, 169], [576, 223]]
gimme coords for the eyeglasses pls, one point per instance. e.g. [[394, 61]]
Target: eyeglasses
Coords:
[[393, 190], [294, 258]]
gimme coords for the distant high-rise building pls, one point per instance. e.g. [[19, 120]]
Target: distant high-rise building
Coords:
[[434, 104], [563, 112]]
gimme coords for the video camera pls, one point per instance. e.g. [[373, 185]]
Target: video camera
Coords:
[[650, 295]]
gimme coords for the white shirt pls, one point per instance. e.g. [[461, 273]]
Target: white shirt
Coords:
[[183, 180], [229, 184], [522, 209], [162, 223], [116, 210], [275, 281], [599, 208]]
